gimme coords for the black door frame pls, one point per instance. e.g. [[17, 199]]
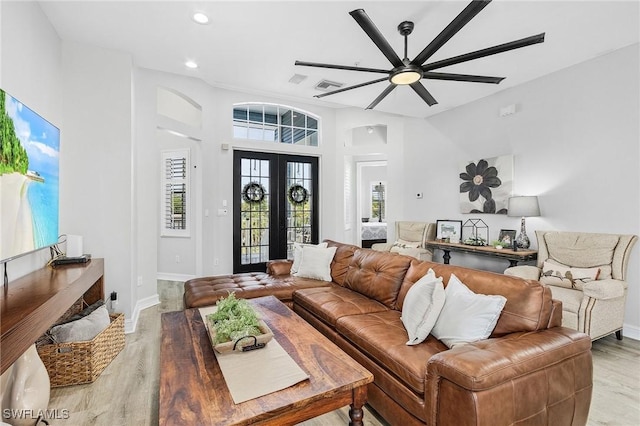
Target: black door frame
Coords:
[[277, 207]]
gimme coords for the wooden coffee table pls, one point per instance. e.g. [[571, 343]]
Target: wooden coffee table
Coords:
[[193, 390]]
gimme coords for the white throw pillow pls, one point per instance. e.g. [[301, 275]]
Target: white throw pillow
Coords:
[[316, 263], [421, 307], [297, 254], [466, 316], [83, 329]]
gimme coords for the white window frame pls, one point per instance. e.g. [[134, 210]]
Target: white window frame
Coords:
[[261, 130], [166, 180]]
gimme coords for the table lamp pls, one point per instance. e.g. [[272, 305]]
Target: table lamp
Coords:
[[523, 207]]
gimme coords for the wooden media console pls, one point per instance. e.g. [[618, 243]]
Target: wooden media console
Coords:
[[33, 303]]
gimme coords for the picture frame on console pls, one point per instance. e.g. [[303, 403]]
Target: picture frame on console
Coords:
[[507, 237], [448, 230]]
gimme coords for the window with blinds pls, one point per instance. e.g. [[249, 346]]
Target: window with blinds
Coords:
[[175, 193]]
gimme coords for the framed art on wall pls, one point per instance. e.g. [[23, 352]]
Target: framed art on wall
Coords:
[[486, 185], [450, 230]]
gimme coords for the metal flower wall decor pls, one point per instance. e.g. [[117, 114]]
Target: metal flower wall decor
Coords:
[[486, 185]]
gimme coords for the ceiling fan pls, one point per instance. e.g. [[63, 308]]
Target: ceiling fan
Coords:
[[406, 72]]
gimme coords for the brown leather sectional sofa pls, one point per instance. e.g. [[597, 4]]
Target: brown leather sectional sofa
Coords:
[[530, 371]]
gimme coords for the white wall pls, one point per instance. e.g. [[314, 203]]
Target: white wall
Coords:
[[31, 71], [575, 142], [95, 165], [392, 151], [86, 92], [157, 253], [215, 167]]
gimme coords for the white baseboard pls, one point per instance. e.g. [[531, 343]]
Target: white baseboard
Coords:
[[174, 277], [131, 323], [631, 331]]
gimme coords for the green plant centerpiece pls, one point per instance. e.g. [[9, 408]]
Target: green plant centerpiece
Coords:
[[234, 320]]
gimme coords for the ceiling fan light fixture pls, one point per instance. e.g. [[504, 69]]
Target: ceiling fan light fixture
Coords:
[[406, 75]]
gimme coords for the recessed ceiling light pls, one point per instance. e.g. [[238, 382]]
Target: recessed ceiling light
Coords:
[[191, 64], [200, 18]]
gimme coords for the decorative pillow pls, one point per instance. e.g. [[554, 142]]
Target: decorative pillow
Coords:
[[559, 275], [406, 244], [83, 329], [86, 311], [297, 254], [466, 316], [421, 307], [315, 263]]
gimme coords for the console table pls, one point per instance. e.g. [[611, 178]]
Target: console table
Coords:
[[31, 304], [512, 256]]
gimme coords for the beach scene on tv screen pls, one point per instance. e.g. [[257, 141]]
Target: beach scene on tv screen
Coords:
[[29, 179]]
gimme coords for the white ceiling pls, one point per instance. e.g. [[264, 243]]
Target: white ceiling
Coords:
[[252, 46]]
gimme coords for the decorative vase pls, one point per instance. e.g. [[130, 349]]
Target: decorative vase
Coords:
[[25, 389], [522, 241]]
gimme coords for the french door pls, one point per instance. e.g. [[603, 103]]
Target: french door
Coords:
[[275, 205]]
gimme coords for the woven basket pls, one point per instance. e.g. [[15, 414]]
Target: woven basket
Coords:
[[82, 362]]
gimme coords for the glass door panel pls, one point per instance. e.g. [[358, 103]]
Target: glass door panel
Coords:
[[274, 206]]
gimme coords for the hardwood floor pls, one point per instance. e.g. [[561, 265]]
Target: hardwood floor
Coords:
[[127, 391]]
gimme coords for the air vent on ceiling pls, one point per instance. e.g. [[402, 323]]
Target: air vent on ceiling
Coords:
[[297, 78], [326, 85]]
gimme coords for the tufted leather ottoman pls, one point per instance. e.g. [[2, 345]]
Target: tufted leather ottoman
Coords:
[[207, 291]]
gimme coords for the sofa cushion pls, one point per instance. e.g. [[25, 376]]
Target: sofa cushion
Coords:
[[315, 263], [466, 316], [422, 307], [279, 267], [528, 306], [582, 250], [382, 337], [207, 291], [341, 260], [331, 303], [412, 231], [377, 275], [417, 269]]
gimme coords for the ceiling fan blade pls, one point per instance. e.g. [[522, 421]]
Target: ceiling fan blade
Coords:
[[462, 77], [344, 89], [341, 67], [381, 96], [423, 93], [376, 36], [505, 47], [456, 25]]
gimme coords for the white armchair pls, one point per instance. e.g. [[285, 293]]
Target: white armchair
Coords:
[[410, 240], [586, 272]]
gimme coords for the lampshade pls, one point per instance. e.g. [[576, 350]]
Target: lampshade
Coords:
[[523, 206]]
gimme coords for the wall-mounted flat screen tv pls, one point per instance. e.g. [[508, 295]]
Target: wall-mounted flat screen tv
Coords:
[[29, 184]]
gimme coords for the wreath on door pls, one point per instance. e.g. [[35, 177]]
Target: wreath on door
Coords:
[[298, 194], [253, 192]]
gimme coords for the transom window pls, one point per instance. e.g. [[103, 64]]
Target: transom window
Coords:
[[274, 123]]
